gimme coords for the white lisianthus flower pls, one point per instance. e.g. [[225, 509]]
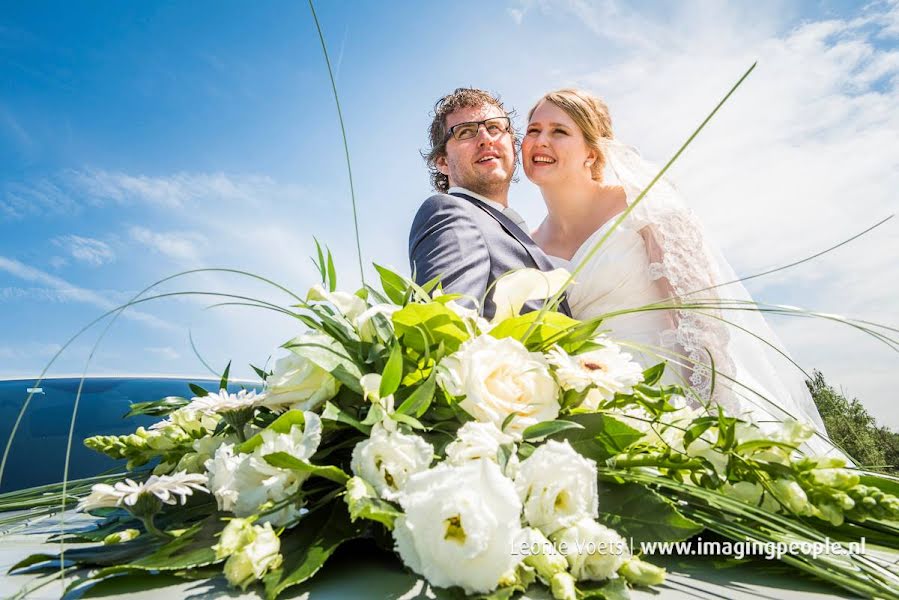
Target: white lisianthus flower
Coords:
[[256, 551], [476, 440], [168, 489], [498, 378], [297, 383], [594, 552], [365, 325], [349, 305], [557, 487], [607, 371], [387, 459], [461, 526], [223, 402], [241, 483]]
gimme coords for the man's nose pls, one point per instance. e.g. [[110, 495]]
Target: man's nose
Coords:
[[484, 135]]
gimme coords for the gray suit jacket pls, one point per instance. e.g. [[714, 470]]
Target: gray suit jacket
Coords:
[[470, 245]]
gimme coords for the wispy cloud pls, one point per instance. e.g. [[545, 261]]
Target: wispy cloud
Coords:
[[179, 246], [164, 352], [86, 250], [78, 294]]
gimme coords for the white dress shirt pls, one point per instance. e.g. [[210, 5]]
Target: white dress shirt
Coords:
[[511, 213]]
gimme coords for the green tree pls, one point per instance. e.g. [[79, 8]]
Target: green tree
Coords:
[[851, 427]]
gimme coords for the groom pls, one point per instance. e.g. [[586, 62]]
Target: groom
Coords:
[[466, 233]]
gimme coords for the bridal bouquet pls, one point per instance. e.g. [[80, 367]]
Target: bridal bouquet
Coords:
[[489, 455]]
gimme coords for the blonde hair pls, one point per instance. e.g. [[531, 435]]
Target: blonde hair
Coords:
[[590, 114]]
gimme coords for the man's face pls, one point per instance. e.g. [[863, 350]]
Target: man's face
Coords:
[[483, 164]]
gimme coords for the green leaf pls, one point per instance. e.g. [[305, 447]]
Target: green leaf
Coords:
[[612, 589], [332, 412], [394, 285], [637, 512], [157, 408], [697, 428], [308, 546], [284, 460], [419, 401], [321, 261], [197, 390], [283, 424], [602, 436], [552, 325], [223, 384], [332, 273], [393, 372], [191, 549], [653, 375], [363, 503], [547, 428], [262, 374], [33, 559], [439, 323], [509, 418]]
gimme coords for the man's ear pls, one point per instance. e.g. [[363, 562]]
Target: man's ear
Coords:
[[442, 165]]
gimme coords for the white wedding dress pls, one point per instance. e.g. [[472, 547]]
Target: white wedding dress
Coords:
[[658, 254]]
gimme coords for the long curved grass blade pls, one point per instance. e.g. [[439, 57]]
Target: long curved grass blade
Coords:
[[346, 146]]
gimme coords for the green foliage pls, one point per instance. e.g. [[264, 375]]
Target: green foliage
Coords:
[[851, 427]]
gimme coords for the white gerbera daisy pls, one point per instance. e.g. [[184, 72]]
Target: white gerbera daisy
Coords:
[[169, 489], [606, 370], [223, 402]]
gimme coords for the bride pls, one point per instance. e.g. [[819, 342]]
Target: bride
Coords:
[[658, 258]]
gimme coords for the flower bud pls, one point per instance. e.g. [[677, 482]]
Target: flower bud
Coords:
[[126, 535], [237, 534], [544, 557], [834, 478], [793, 497], [562, 586], [639, 572]]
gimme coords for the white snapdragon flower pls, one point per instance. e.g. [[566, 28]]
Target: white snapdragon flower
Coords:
[[241, 483], [498, 378], [349, 305], [607, 371], [387, 459], [594, 552], [557, 486], [224, 402], [460, 526], [191, 420], [297, 383], [476, 440], [168, 489]]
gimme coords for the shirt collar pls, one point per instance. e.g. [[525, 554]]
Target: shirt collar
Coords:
[[487, 201]]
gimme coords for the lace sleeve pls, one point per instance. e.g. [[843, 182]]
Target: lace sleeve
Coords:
[[679, 264]]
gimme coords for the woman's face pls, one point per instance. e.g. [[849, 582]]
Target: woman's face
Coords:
[[553, 149]]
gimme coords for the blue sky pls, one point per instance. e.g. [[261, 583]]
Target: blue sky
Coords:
[[141, 139]]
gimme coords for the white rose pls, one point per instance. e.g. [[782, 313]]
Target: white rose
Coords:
[[607, 370], [387, 459], [298, 383], [241, 483], [476, 440], [499, 378], [557, 486], [593, 551], [254, 559], [461, 526], [350, 305], [365, 324]]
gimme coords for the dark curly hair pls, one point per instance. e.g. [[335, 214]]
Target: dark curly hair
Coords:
[[460, 98]]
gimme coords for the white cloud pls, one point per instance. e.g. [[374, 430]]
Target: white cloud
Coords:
[[179, 246], [86, 250], [29, 351], [164, 352], [77, 294]]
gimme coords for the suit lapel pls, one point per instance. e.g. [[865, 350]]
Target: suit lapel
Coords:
[[536, 254], [515, 231]]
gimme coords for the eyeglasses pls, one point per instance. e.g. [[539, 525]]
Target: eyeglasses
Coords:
[[494, 126]]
